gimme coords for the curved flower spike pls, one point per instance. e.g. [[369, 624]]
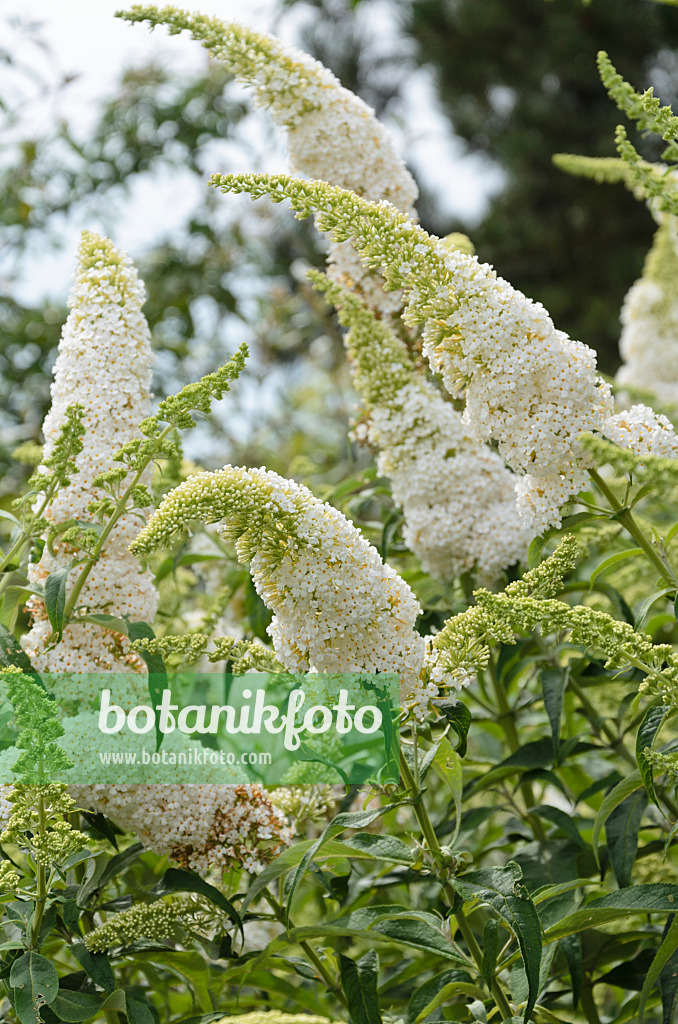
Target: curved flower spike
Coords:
[[331, 133], [528, 386], [338, 607]]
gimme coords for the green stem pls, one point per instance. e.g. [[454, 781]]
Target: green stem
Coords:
[[627, 520], [320, 967], [429, 834], [41, 894], [19, 544], [120, 509]]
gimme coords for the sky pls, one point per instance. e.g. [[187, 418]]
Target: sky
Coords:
[[88, 44]]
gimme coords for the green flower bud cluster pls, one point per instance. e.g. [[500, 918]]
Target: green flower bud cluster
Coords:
[[245, 655], [155, 922], [38, 823], [67, 446], [646, 180], [382, 365], [243, 500], [9, 877], [175, 413], [528, 604], [37, 718], [657, 470]]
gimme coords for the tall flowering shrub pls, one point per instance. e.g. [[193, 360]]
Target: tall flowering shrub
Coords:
[[522, 868]]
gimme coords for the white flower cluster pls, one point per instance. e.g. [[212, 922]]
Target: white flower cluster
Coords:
[[644, 432], [198, 827], [104, 363], [332, 134], [528, 386], [649, 316], [338, 607], [457, 496]]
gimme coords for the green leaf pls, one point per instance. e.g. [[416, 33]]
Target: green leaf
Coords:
[[422, 997], [649, 727], [565, 822], [553, 685], [572, 951], [138, 1011], [291, 857], [355, 819], [75, 1007], [384, 847], [157, 673], [115, 1001], [178, 880], [491, 945], [12, 653], [95, 965], [621, 830], [612, 800], [259, 616], [390, 922], [646, 604], [609, 563], [664, 954], [447, 766], [459, 717], [9, 517], [670, 837], [502, 889], [668, 981], [35, 983], [359, 985], [121, 861], [55, 598], [654, 898]]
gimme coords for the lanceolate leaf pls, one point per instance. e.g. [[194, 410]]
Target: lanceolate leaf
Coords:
[[459, 717], [553, 685], [621, 830], [422, 997], [571, 947], [655, 898], [612, 800], [490, 946], [55, 598], [356, 819], [668, 980], [96, 965], [661, 960], [647, 732], [502, 888], [12, 653], [75, 1007], [359, 984]]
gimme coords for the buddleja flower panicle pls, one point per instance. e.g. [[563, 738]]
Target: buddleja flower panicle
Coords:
[[528, 387], [457, 496]]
